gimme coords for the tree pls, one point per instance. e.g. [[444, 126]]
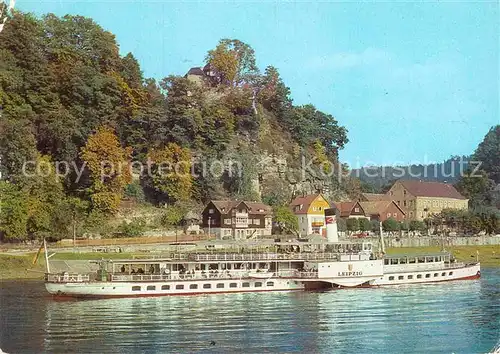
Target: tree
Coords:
[[173, 216], [170, 172], [352, 224], [134, 228], [108, 163], [224, 62], [417, 225], [364, 224], [375, 225], [488, 153], [391, 225], [286, 219], [341, 225], [13, 213], [233, 62], [274, 94], [17, 145], [478, 188], [245, 57]]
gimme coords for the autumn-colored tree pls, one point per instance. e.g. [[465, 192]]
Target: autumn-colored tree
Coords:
[[224, 62], [108, 163], [169, 170]]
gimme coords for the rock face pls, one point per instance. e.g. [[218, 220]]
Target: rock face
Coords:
[[275, 175]]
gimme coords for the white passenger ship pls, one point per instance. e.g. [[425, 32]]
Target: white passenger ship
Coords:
[[290, 266]]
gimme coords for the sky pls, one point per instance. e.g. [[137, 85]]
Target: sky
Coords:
[[413, 82]]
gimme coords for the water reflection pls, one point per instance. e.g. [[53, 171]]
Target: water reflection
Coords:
[[461, 317]]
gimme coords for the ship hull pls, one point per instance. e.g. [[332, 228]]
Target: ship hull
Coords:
[[218, 286], [172, 288]]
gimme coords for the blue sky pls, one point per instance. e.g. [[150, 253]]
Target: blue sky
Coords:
[[412, 82]]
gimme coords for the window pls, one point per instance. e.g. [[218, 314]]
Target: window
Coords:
[[220, 286], [165, 287], [258, 284], [404, 203], [443, 274], [179, 287], [395, 215], [388, 215], [419, 276], [410, 276], [245, 285], [386, 261], [356, 210], [207, 286], [436, 274], [404, 192], [211, 211], [151, 287], [136, 288], [233, 285], [270, 283], [427, 275], [193, 286], [227, 221], [401, 277], [391, 278], [450, 273], [256, 221]]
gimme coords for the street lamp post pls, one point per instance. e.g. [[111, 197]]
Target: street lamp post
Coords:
[[209, 222]]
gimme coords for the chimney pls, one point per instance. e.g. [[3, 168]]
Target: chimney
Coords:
[[331, 225]]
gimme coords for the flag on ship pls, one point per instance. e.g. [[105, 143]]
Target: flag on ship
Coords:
[[38, 253]]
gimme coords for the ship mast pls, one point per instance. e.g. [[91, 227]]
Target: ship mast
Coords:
[[382, 245], [46, 255]]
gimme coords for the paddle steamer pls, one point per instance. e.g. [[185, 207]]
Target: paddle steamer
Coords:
[[256, 267]]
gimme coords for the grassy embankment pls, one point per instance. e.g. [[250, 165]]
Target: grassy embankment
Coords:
[[15, 267]]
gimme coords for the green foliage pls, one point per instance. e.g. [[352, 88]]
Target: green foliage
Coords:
[[68, 95], [134, 228], [172, 216], [364, 224], [286, 220], [417, 225], [341, 225], [134, 191], [488, 153], [171, 172], [375, 225], [13, 213], [352, 224], [390, 225]]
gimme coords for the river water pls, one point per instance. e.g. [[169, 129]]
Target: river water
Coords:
[[454, 317]]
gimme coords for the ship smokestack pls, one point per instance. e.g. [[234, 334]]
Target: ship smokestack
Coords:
[[331, 225]]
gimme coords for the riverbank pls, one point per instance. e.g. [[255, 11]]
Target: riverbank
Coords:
[[16, 267]]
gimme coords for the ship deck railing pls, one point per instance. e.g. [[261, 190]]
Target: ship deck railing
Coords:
[[292, 273], [68, 278], [454, 265], [262, 256]]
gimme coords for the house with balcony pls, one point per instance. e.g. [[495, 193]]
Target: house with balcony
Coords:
[[310, 211], [237, 220]]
